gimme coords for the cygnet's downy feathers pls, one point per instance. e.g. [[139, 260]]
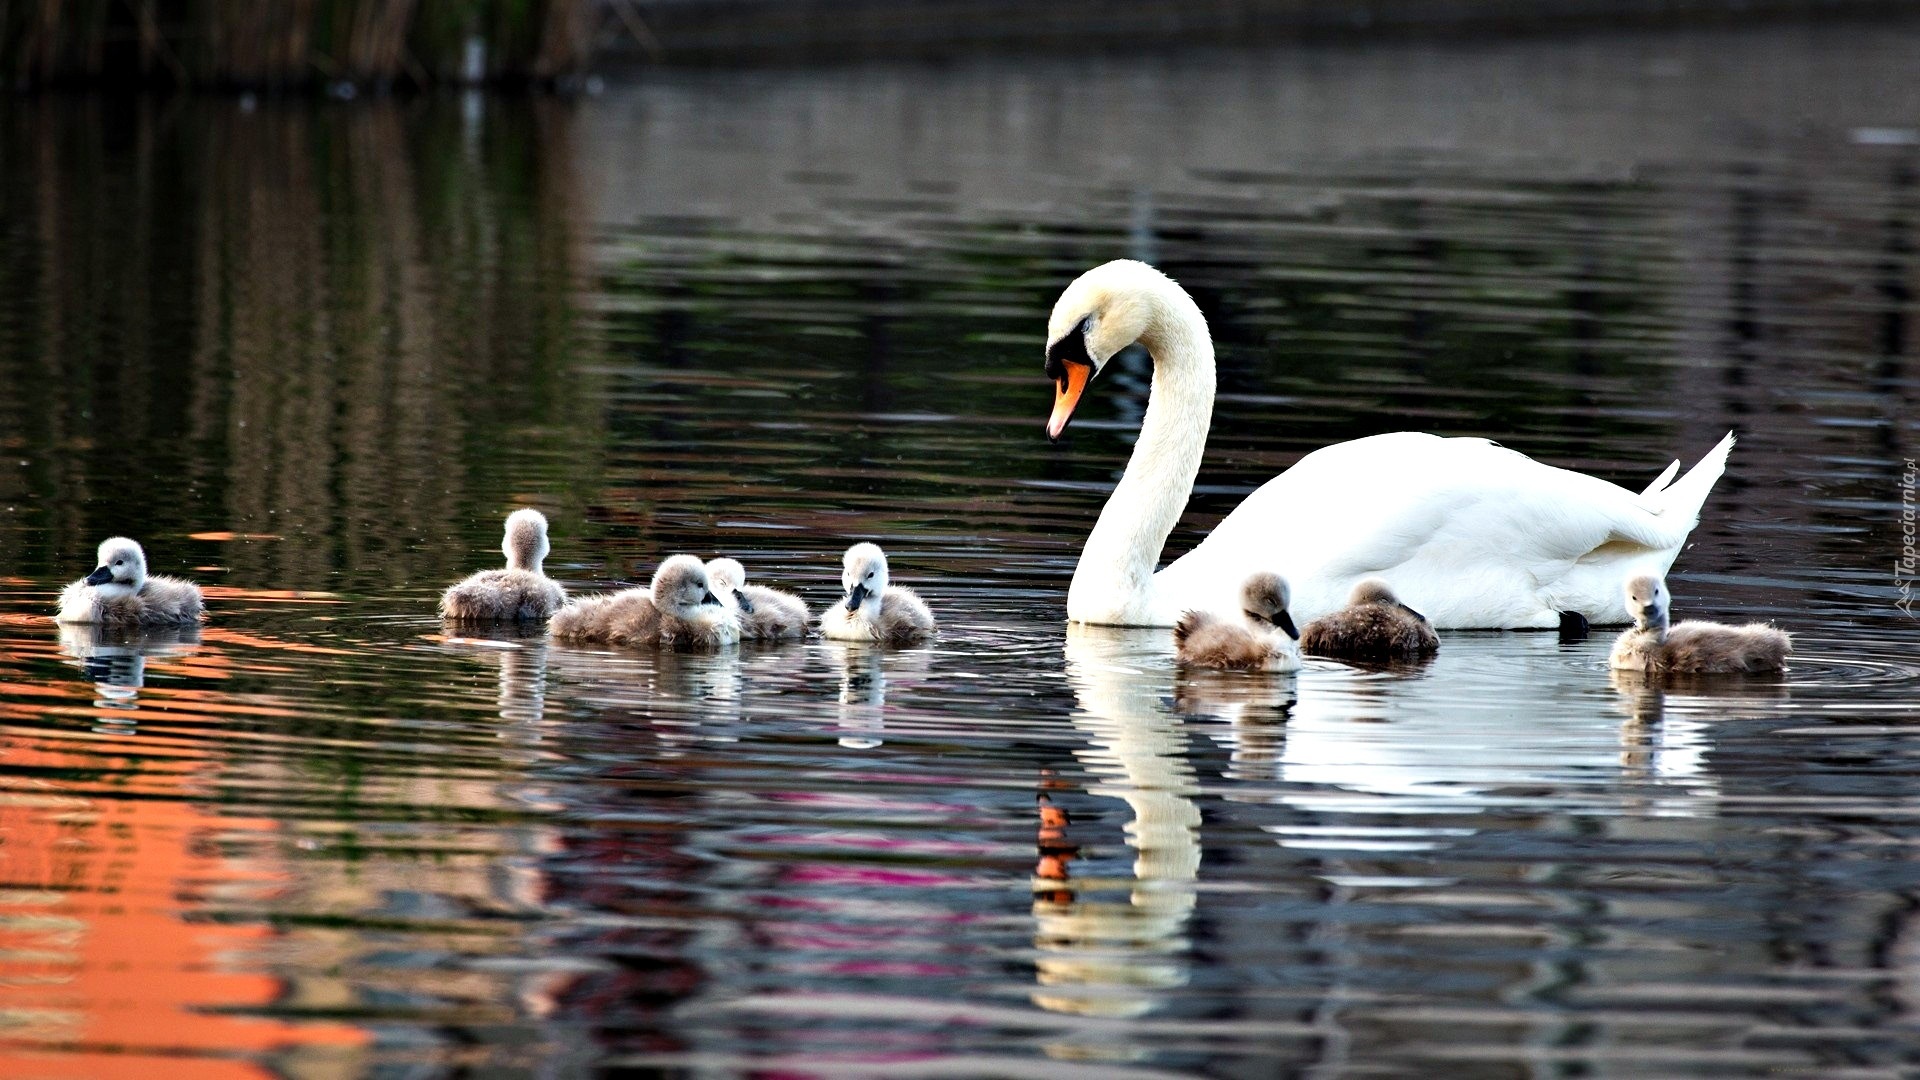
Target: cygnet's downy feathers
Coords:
[[520, 593], [873, 609], [1374, 626], [120, 592], [1692, 647], [765, 614], [1261, 639], [677, 611]]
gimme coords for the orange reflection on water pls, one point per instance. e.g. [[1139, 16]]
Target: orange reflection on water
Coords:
[[292, 596], [257, 641], [112, 962]]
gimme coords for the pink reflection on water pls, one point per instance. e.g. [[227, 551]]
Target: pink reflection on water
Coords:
[[842, 874]]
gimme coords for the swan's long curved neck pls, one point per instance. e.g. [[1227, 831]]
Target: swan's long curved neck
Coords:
[[1114, 580]]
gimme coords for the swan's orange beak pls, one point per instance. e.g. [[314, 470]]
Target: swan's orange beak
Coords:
[[1066, 395]]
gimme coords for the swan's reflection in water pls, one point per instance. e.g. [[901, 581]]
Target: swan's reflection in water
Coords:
[[1109, 948], [1387, 791], [115, 660], [1494, 712]]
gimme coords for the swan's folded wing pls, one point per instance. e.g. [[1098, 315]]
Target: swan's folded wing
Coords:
[[1469, 532], [1660, 482]]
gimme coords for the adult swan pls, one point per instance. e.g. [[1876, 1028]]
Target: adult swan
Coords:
[[1466, 531]]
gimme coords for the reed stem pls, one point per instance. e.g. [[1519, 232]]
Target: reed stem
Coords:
[[293, 44]]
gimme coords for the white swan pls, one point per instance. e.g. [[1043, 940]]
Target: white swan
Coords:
[[1465, 530]]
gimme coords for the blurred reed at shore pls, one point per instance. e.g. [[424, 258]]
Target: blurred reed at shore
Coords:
[[750, 32], [293, 44]]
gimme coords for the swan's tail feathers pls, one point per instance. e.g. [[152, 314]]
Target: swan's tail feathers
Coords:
[[1660, 481], [1683, 498]]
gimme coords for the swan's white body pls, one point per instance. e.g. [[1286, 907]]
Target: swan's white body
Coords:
[[1467, 532]]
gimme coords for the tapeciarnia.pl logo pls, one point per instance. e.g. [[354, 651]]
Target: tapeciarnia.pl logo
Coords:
[[1907, 566]]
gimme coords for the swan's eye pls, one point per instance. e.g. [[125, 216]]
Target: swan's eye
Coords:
[[869, 575]]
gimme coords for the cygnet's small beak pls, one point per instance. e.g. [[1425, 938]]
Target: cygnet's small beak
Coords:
[[100, 576], [1066, 396], [1285, 622], [746, 605], [857, 596], [709, 598], [1411, 612]]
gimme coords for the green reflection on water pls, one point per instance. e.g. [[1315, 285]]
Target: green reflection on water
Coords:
[[341, 327]]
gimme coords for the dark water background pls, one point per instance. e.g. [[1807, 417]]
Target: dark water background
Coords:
[[312, 355]]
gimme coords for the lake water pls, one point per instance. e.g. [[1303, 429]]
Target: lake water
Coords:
[[311, 356]]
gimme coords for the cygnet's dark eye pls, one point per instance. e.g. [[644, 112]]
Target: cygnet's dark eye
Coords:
[[869, 575]]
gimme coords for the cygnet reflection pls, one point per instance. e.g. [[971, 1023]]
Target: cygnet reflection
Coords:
[[683, 697], [867, 674], [114, 659]]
